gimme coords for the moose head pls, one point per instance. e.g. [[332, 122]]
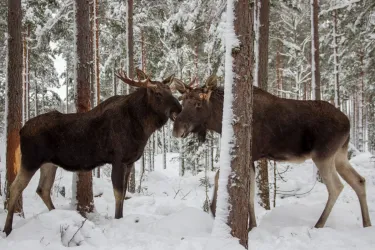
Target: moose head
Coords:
[[199, 111], [159, 94]]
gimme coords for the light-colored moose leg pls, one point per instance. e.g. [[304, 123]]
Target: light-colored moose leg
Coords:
[[334, 186], [19, 184], [47, 178], [120, 176], [252, 218], [356, 181]]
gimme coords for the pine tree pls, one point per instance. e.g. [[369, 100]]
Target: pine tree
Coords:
[[237, 153], [14, 96], [83, 180], [261, 27]]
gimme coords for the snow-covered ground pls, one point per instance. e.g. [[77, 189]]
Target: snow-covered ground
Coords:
[[168, 214]]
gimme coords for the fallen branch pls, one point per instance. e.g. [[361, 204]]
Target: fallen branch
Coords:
[[83, 222]]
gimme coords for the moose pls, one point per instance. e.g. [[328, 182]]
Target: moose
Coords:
[[282, 130], [115, 132]]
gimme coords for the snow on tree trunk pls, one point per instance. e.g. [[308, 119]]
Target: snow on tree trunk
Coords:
[[261, 28], [336, 60], [360, 104], [13, 102], [82, 181], [235, 156]]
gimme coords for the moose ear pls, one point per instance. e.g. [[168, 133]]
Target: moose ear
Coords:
[[211, 82], [140, 74], [180, 85], [168, 80]]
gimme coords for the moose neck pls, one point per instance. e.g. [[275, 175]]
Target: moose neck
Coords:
[[143, 112], [216, 110]]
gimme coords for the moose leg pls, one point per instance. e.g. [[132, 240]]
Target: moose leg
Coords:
[[356, 181], [214, 199], [120, 175], [19, 184], [47, 178], [252, 218], [334, 186]]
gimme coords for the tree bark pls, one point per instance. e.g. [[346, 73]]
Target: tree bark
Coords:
[[241, 161], [85, 202], [336, 60], [315, 49], [262, 9], [315, 64], [14, 97], [130, 61], [130, 40], [36, 95]]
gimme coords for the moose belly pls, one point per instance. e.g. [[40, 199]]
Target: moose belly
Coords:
[[297, 159]]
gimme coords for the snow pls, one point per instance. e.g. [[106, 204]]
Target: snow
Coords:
[[163, 218], [221, 229]]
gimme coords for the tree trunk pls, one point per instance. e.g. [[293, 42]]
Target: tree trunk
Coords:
[[36, 95], [279, 72], [182, 158], [336, 60], [237, 152], [241, 161], [315, 62], [315, 49], [96, 54], [67, 83], [261, 16], [360, 103], [85, 202], [14, 97], [130, 70], [164, 149], [114, 78], [130, 41]]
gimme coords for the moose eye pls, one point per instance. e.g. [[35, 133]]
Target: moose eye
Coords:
[[158, 94], [198, 105]]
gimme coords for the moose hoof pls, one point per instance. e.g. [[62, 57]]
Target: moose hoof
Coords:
[[7, 230]]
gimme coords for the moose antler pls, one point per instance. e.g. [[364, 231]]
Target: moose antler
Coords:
[[182, 87], [141, 84]]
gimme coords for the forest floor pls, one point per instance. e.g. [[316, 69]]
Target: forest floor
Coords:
[[168, 214]]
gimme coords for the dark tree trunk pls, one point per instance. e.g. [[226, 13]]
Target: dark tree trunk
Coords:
[[14, 96], [263, 9], [315, 58], [85, 202], [315, 50], [130, 58], [238, 188]]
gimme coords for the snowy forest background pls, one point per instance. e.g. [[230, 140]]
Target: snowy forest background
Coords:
[[185, 38]]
